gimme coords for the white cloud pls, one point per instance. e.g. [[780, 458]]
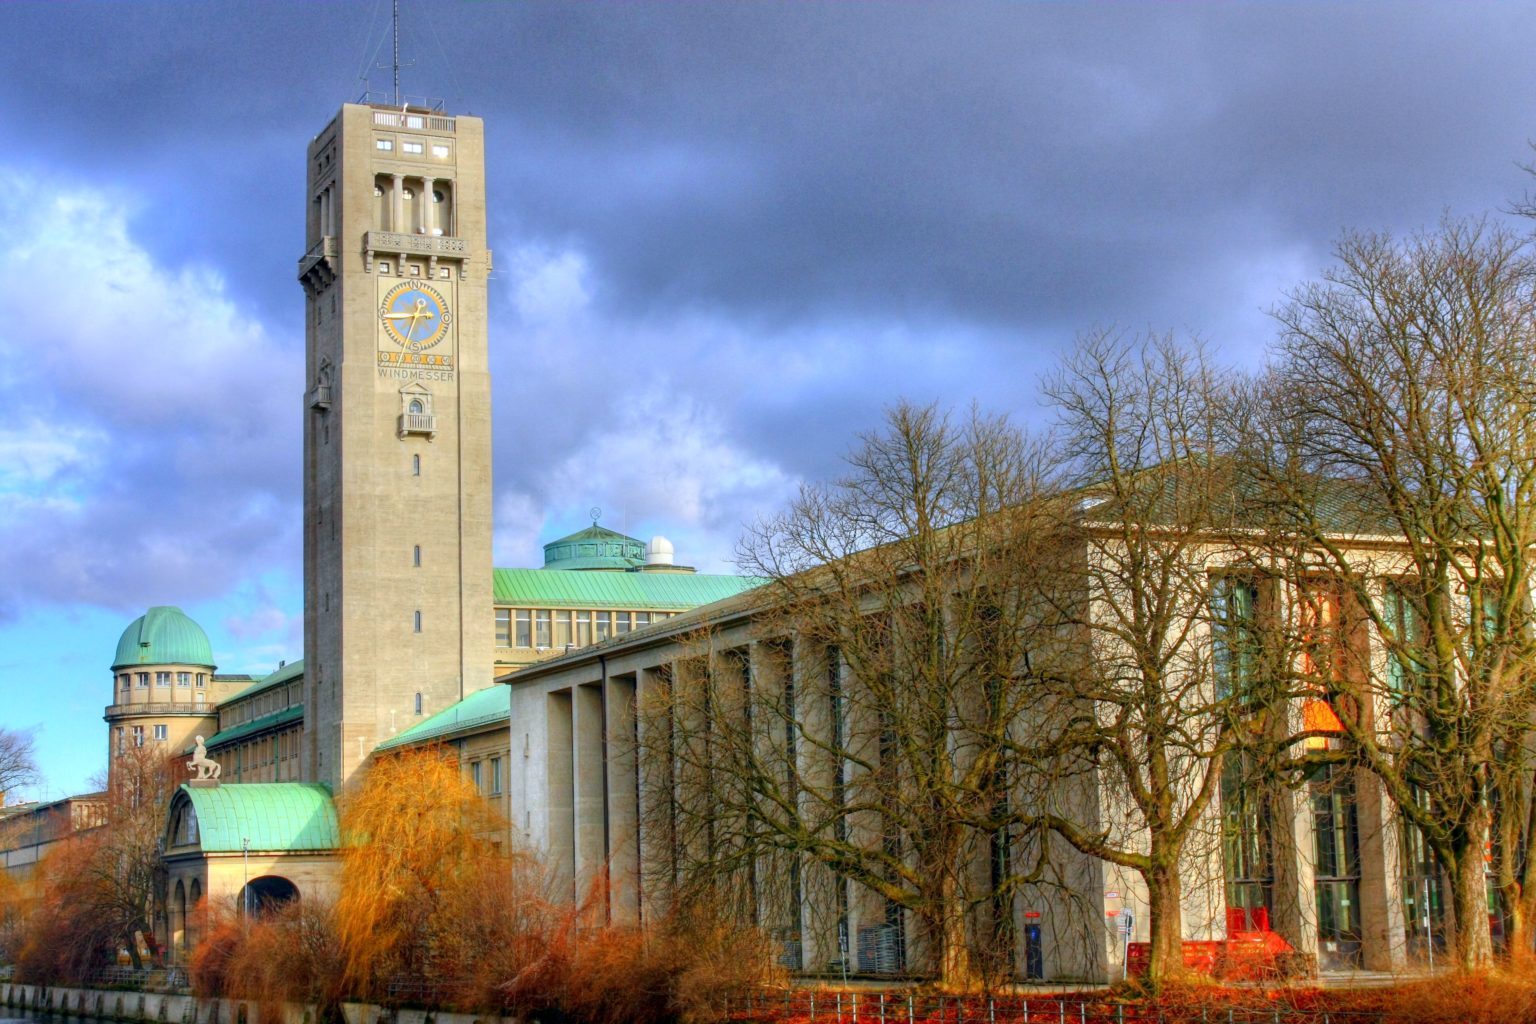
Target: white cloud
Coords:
[[549, 287], [149, 454]]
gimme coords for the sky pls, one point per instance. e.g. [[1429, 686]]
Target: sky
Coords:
[[726, 237]]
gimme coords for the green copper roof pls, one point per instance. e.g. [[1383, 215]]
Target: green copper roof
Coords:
[[543, 588], [287, 817], [289, 714], [483, 707], [163, 636], [596, 547], [288, 673]]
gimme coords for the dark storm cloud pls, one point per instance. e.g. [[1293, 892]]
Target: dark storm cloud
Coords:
[[788, 214]]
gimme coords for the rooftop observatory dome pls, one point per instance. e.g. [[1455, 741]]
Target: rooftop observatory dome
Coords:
[[163, 636]]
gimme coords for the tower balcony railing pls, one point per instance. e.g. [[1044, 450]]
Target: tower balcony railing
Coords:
[[325, 249], [161, 707], [418, 423], [423, 245], [413, 120]]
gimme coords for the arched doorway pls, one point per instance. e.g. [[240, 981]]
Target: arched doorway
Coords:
[[267, 894]]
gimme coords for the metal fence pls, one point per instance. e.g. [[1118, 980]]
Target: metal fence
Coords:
[[137, 979], [1066, 1008]]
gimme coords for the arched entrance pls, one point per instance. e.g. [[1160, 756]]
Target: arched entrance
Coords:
[[267, 894]]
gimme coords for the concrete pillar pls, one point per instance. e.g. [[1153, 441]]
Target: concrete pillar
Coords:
[[657, 858], [589, 768], [397, 205], [428, 207], [1293, 898], [622, 781], [562, 794], [1383, 934]]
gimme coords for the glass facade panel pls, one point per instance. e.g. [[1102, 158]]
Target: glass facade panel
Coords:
[[1336, 865], [1234, 634], [1245, 849]]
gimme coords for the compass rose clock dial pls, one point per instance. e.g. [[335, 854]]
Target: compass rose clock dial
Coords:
[[414, 316]]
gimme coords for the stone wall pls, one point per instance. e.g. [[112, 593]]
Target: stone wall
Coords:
[[165, 1008]]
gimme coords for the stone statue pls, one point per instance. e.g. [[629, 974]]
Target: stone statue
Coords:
[[205, 767]]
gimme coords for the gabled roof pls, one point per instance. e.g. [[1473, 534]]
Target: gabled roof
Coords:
[[481, 708], [277, 817], [551, 588]]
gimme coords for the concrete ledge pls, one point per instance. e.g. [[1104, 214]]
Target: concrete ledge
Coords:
[[166, 1008]]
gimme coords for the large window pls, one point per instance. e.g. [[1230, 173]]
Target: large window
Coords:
[[162, 679], [562, 629], [1405, 622], [1423, 888], [1336, 867], [1235, 635], [1245, 849], [541, 628], [524, 628], [184, 679], [504, 628]]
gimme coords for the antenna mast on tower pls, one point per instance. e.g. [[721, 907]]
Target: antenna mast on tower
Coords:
[[395, 28]]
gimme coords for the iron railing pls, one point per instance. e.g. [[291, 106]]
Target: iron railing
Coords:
[[822, 1007]]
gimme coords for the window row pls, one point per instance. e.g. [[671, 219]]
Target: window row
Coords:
[[159, 733], [126, 680], [411, 147], [548, 629], [478, 772]]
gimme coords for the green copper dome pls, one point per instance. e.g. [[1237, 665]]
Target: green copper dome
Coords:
[[594, 548], [163, 636]]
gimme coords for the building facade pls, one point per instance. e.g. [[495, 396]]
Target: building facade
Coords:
[[397, 431]]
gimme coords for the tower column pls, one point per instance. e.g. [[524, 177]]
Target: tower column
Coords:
[[397, 204], [428, 207]]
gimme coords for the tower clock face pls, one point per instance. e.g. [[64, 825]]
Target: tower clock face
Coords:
[[414, 316]]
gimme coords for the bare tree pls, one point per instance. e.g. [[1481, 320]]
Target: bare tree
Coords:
[[864, 739], [18, 762], [1401, 419], [1143, 717]]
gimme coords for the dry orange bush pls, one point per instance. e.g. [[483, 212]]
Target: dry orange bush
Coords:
[[433, 910], [63, 934], [419, 848]]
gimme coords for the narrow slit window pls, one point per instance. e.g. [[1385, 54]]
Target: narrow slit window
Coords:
[[416, 621], [415, 465], [416, 556]]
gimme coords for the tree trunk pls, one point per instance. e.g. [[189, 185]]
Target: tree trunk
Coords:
[[1166, 919], [957, 972], [1473, 948]]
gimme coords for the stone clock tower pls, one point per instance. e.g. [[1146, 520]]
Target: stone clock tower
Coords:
[[397, 429]]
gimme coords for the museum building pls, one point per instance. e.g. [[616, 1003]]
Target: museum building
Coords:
[[535, 676]]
